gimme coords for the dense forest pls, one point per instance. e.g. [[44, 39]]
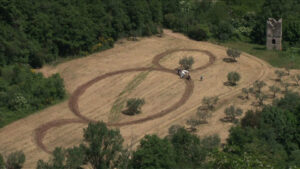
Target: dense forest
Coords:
[[263, 139], [38, 32]]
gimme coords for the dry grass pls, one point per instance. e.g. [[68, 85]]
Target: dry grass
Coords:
[[159, 89]]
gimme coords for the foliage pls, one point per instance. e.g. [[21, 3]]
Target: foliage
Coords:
[[231, 113], [233, 53], [15, 160], [246, 92], [210, 102], [261, 97], [22, 92], [154, 152], [72, 158], [31, 34], [187, 62], [258, 85], [102, 146], [198, 33], [190, 151], [274, 89], [279, 74], [233, 78], [296, 78], [134, 106], [202, 115]]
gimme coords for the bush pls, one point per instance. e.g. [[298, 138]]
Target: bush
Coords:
[[222, 31], [186, 62], [210, 102], [134, 106], [231, 113], [198, 34], [258, 85], [233, 78], [233, 53]]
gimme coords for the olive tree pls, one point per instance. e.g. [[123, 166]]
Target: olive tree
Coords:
[[187, 62], [210, 102], [233, 53], [258, 85], [279, 74], [274, 89], [296, 78], [134, 106], [232, 112], [233, 78], [261, 97], [245, 91]]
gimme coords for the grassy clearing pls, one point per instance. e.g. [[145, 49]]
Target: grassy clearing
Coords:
[[275, 58], [119, 103]]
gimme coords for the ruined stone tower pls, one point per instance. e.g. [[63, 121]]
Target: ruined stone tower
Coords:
[[274, 34]]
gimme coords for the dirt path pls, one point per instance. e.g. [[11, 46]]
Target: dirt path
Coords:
[[41, 131], [169, 100]]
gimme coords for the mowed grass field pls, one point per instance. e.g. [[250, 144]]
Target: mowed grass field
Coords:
[[105, 99]]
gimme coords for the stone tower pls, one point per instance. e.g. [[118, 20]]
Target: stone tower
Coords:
[[274, 34]]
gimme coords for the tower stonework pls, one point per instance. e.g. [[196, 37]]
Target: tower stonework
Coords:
[[274, 34]]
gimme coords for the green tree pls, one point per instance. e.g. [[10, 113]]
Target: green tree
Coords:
[[258, 85], [279, 74], [2, 163], [72, 158], [233, 53], [102, 145], [233, 78], [210, 102], [154, 152], [296, 79], [134, 106], [187, 62], [231, 113], [261, 97], [15, 160], [274, 89]]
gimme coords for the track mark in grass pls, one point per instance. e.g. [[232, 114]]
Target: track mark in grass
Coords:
[[119, 103]]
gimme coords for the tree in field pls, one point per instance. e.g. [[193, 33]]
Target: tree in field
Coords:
[[258, 85], [210, 102], [231, 113], [296, 78], [102, 146], [134, 106], [15, 160], [246, 92], [187, 62], [286, 87], [72, 158], [233, 78], [155, 153], [261, 97], [233, 53], [274, 89], [202, 115], [279, 74]]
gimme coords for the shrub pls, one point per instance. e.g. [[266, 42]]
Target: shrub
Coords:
[[134, 106], [210, 102], [258, 85], [261, 97], [296, 78], [246, 92], [231, 113], [274, 89], [233, 78], [198, 34], [279, 74], [233, 53], [186, 62]]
